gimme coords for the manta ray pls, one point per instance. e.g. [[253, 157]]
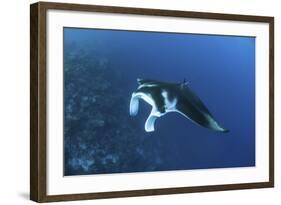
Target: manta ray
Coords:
[[165, 97]]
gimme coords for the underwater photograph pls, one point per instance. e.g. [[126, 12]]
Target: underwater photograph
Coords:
[[145, 101]]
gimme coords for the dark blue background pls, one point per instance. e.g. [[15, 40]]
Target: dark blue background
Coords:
[[219, 69]]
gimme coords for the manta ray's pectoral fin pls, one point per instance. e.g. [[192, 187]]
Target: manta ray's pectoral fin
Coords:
[[149, 123], [200, 116], [134, 105]]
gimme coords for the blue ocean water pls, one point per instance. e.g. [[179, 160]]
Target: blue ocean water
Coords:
[[100, 72]]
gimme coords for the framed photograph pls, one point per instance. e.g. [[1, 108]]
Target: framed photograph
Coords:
[[134, 102]]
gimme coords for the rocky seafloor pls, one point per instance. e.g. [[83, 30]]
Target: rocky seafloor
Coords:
[[99, 135]]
